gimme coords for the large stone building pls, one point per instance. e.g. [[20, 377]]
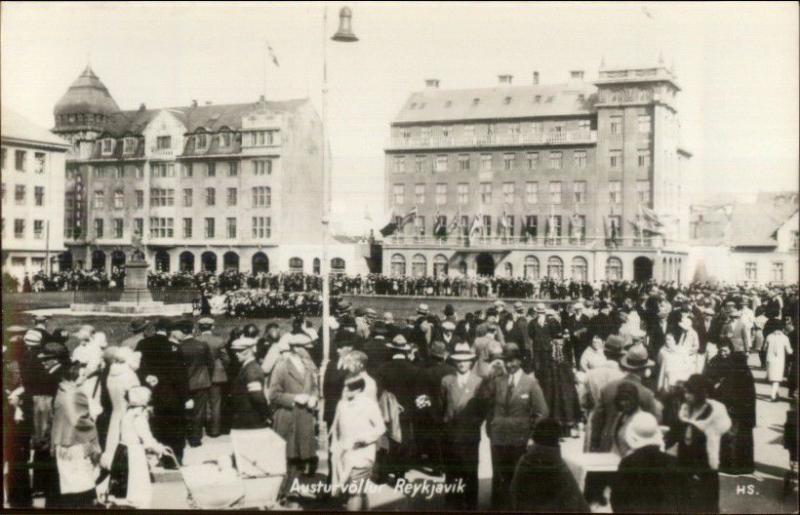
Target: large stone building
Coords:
[[577, 179], [746, 240], [33, 196], [206, 187]]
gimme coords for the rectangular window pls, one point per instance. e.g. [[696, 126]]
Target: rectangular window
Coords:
[[209, 228], [98, 228], [579, 227], [187, 228], [162, 170], [419, 193], [533, 160], [99, 199], [486, 162], [508, 162], [557, 225], [262, 227], [532, 192], [615, 159], [643, 191], [465, 225], [537, 127], [108, 146], [532, 226], [129, 146], [211, 171], [555, 160], [615, 126], [469, 133], [616, 225], [38, 195], [231, 225], [19, 228], [163, 142], [584, 125], [419, 164], [487, 225], [777, 272], [555, 192], [398, 194], [643, 157], [188, 197], [580, 159], [118, 199], [187, 171], [463, 162], [38, 229], [138, 226], [486, 193], [262, 167], [262, 196], [425, 135], [117, 228], [463, 194], [400, 164], [233, 169], [441, 164], [441, 194], [579, 190], [232, 194], [615, 192], [39, 158], [508, 192], [643, 123], [162, 227], [224, 139], [19, 194], [201, 141], [211, 196], [19, 160], [419, 225], [751, 271], [37, 263]]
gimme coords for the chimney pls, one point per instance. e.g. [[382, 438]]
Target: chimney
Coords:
[[194, 103], [142, 106], [505, 78], [576, 75], [535, 78], [432, 83]]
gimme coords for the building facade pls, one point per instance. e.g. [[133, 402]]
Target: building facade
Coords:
[[573, 180], [205, 187], [32, 196]]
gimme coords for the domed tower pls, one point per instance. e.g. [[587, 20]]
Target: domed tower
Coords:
[[84, 109]]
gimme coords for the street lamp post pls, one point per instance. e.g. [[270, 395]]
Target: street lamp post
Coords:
[[343, 35]]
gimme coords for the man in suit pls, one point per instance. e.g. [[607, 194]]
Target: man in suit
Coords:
[[464, 412], [734, 328], [219, 376], [137, 327], [539, 332], [428, 420], [198, 366], [516, 405], [605, 418], [519, 331], [375, 347], [658, 328]]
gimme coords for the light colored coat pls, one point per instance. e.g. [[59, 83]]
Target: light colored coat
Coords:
[[778, 347], [121, 377], [138, 438], [293, 422]]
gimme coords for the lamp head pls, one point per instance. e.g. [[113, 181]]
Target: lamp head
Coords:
[[345, 32]]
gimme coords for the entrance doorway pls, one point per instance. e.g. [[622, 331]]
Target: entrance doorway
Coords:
[[642, 269], [485, 264]]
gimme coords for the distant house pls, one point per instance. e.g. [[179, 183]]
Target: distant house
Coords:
[[747, 242]]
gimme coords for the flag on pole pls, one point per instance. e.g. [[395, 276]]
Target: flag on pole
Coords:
[[272, 55], [504, 222], [390, 227], [409, 217], [551, 224], [455, 225], [477, 225], [439, 225]]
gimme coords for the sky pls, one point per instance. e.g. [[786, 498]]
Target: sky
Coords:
[[737, 65]]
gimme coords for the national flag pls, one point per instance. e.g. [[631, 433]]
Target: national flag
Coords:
[[272, 55], [576, 225], [650, 215], [409, 217], [504, 221], [477, 225], [551, 223], [455, 225], [439, 226], [391, 227]]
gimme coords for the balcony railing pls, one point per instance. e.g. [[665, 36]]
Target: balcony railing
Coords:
[[515, 242], [533, 138], [162, 153]]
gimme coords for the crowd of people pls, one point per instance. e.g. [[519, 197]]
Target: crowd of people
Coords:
[[656, 375]]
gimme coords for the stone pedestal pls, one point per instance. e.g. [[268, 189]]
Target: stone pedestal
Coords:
[[136, 290]]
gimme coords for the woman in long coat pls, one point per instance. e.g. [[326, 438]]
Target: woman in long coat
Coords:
[[778, 347], [294, 393], [557, 378], [123, 363]]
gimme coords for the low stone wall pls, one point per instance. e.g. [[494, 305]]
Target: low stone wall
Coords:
[[403, 306], [42, 300]]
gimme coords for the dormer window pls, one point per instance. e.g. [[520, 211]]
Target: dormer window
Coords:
[[108, 146], [129, 146], [225, 139], [200, 141], [163, 142]]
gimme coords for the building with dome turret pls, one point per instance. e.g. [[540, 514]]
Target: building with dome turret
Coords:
[[206, 186]]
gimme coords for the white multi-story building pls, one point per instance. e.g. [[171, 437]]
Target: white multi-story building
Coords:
[[33, 196]]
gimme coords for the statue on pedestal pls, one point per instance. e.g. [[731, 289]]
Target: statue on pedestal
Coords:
[[137, 254]]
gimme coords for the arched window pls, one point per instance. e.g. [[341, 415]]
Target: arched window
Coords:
[[337, 266], [398, 265], [296, 265], [419, 266], [614, 269], [186, 261], [509, 270], [531, 269], [555, 268], [162, 261], [208, 260], [259, 263], [580, 269], [230, 261], [439, 266], [316, 264], [99, 260]]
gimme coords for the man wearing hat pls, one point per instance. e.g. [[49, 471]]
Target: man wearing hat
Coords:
[[375, 347], [422, 332], [137, 327], [735, 328], [294, 395], [517, 403], [162, 370], [597, 378], [539, 331], [519, 331], [199, 367], [362, 326], [249, 408], [605, 416], [445, 334], [430, 438], [400, 377], [463, 416], [219, 375]]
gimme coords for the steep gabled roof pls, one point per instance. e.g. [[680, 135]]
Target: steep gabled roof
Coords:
[[16, 126], [755, 224]]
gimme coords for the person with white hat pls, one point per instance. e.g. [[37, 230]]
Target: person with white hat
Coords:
[[249, 408], [294, 394], [647, 479], [463, 417]]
